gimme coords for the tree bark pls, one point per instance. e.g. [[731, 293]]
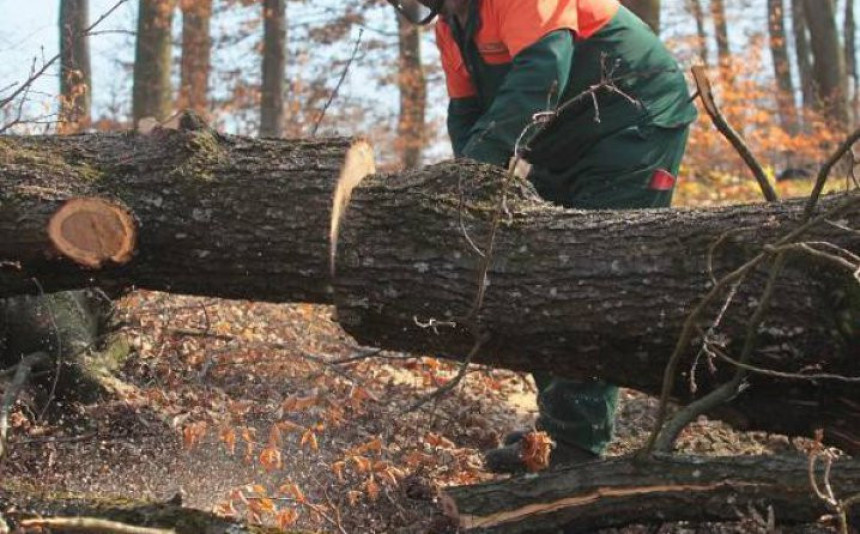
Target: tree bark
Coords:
[[228, 216], [75, 72], [619, 492], [582, 294], [196, 53], [828, 60], [413, 94], [274, 65], [647, 10], [781, 65], [152, 89], [803, 52]]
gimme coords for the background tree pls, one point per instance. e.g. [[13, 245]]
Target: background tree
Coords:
[[152, 88], [694, 7], [781, 64], [647, 10], [803, 54], [274, 66], [75, 71], [413, 94], [721, 31], [828, 60], [849, 31], [196, 55]]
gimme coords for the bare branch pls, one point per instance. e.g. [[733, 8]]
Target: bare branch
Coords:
[[90, 524], [22, 373]]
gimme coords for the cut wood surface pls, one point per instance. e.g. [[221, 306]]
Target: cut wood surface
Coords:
[[619, 492]]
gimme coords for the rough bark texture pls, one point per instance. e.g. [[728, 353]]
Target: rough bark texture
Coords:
[[17, 504], [274, 63], [152, 90], [588, 294], [196, 54], [75, 72], [647, 10], [619, 492], [829, 60], [228, 216], [413, 94], [781, 64], [584, 294]]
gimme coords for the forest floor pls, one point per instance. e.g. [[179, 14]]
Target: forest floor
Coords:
[[242, 409]]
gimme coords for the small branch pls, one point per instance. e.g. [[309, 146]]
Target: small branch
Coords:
[[740, 273], [666, 440], [824, 172], [704, 86], [22, 373], [334, 93], [89, 524]]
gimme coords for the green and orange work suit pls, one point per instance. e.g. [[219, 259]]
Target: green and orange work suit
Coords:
[[619, 149]]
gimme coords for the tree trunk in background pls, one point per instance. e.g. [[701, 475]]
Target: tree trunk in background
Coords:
[[849, 31], [413, 94], [196, 52], [274, 65], [694, 7], [804, 55], [781, 64], [647, 10], [152, 60], [721, 31], [75, 72], [828, 60]]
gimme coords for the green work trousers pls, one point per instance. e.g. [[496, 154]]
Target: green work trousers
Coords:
[[632, 168]]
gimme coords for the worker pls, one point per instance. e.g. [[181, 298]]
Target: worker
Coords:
[[619, 115]]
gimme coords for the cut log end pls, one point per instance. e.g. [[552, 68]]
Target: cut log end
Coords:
[[358, 163], [92, 232]]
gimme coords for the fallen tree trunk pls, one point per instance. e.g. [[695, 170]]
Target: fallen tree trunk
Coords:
[[224, 216], [619, 492], [584, 294], [603, 294]]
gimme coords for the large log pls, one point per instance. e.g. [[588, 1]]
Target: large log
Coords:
[[618, 492], [584, 294], [217, 215], [601, 294]]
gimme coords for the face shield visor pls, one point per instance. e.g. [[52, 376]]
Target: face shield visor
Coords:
[[416, 12]]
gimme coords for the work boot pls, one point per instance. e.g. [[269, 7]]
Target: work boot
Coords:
[[508, 458]]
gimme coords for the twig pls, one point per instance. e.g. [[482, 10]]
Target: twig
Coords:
[[91, 524], [666, 440], [333, 94], [812, 377], [38, 74], [22, 373], [824, 172], [690, 323], [704, 86], [464, 367]]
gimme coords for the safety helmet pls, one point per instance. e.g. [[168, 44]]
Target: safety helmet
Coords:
[[417, 12]]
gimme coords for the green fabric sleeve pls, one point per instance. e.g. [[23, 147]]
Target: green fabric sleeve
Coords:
[[525, 91], [463, 113]]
